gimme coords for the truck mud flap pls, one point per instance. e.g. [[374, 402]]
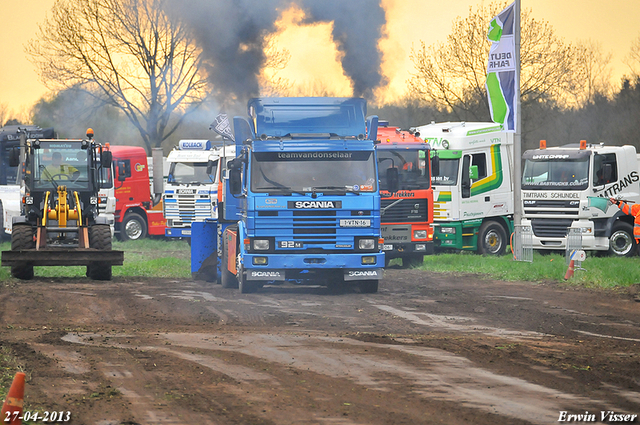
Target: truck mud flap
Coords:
[[62, 257], [366, 274]]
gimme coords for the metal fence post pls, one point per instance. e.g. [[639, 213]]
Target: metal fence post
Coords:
[[523, 243]]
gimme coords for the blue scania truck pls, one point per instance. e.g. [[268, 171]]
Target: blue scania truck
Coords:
[[300, 201]]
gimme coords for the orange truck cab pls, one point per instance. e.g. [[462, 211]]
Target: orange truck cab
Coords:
[[137, 214], [407, 214]]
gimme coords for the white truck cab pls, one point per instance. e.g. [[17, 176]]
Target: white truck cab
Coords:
[[560, 190], [472, 189], [191, 191]]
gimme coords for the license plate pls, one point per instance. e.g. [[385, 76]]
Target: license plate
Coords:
[[186, 191], [289, 244], [186, 232], [355, 223], [387, 247]]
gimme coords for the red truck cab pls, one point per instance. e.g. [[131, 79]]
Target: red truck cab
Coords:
[[137, 214], [406, 215]]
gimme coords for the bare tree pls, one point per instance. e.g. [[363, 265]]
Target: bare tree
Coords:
[[127, 53], [453, 73], [633, 58], [276, 60], [592, 74]]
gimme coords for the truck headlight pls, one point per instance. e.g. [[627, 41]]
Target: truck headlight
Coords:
[[261, 244], [419, 234], [448, 230], [367, 244]]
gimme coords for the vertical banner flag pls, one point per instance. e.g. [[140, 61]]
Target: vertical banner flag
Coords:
[[501, 69]]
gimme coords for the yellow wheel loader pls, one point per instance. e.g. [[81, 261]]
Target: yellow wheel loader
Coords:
[[59, 223]]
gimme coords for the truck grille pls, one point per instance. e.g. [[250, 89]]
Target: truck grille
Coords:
[[316, 229], [187, 208], [551, 207], [405, 211], [550, 228]]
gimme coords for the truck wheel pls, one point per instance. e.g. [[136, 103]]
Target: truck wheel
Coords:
[[227, 279], [133, 227], [622, 243], [412, 261], [369, 286], [492, 239], [21, 239], [100, 238]]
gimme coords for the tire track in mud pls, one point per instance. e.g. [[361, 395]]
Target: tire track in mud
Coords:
[[430, 373]]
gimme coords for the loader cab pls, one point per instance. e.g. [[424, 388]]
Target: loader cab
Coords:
[[77, 165]]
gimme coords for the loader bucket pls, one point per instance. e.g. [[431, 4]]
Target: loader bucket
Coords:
[[600, 203]]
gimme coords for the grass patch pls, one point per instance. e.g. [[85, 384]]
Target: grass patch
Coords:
[[164, 258], [600, 272]]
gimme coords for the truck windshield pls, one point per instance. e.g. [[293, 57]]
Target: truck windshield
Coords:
[[557, 175], [287, 172], [60, 163], [412, 168], [191, 173], [448, 175]]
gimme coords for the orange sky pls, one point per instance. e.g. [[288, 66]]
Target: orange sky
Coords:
[[613, 23]]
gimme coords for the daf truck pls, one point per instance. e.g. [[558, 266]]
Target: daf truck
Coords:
[[560, 190], [472, 187], [301, 201]]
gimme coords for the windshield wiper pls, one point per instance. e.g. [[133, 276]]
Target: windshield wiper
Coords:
[[342, 188], [286, 189]]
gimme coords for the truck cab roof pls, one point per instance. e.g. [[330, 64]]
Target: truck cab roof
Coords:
[[306, 117], [463, 135]]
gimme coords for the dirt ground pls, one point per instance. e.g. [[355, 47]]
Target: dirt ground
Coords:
[[427, 348]]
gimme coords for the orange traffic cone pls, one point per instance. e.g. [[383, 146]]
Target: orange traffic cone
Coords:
[[569, 273], [12, 407]]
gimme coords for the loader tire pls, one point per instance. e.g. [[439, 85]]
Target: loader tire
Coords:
[[99, 238], [21, 239]]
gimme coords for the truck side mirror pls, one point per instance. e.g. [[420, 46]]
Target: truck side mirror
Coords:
[[106, 157], [393, 180], [435, 166], [14, 157], [235, 181], [473, 172], [210, 166], [465, 184]]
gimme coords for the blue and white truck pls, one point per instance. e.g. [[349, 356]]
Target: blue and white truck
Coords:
[[300, 201], [191, 191]]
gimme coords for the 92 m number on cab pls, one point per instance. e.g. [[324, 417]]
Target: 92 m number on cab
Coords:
[[289, 244]]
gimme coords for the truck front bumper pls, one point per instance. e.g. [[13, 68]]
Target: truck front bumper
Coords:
[[360, 266], [590, 242], [399, 250], [177, 232]]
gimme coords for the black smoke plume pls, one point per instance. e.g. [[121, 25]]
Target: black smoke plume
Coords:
[[232, 36]]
